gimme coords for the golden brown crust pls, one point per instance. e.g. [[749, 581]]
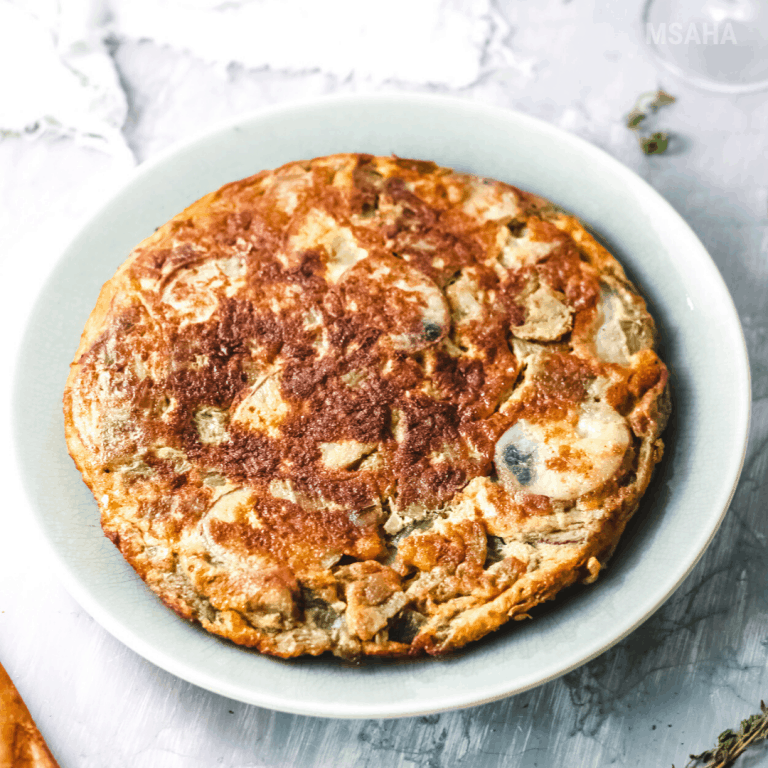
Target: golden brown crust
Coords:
[[366, 405], [21, 745]]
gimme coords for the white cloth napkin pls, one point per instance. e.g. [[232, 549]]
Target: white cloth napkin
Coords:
[[414, 41], [57, 76]]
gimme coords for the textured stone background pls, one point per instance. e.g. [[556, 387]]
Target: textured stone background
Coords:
[[67, 139]]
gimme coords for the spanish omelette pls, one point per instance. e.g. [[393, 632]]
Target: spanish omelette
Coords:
[[366, 405]]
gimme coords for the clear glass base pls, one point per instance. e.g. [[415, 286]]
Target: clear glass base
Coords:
[[720, 45]]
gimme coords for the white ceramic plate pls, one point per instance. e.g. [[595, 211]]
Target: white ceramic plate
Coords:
[[701, 341]]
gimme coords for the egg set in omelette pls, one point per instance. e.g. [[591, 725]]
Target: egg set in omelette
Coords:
[[366, 405]]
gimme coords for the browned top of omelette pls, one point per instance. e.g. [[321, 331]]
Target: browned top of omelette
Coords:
[[366, 405]]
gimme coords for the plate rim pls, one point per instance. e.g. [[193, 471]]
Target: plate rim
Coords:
[[201, 678]]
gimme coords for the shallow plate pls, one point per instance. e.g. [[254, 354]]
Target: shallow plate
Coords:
[[678, 517]]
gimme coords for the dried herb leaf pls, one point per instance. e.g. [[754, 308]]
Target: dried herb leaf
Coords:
[[634, 118], [663, 99], [655, 144], [647, 104]]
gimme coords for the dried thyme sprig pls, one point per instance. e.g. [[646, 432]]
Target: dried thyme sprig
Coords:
[[731, 744], [648, 104]]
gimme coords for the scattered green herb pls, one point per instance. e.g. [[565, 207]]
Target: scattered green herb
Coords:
[[731, 744], [634, 118], [663, 98], [648, 104], [654, 144]]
